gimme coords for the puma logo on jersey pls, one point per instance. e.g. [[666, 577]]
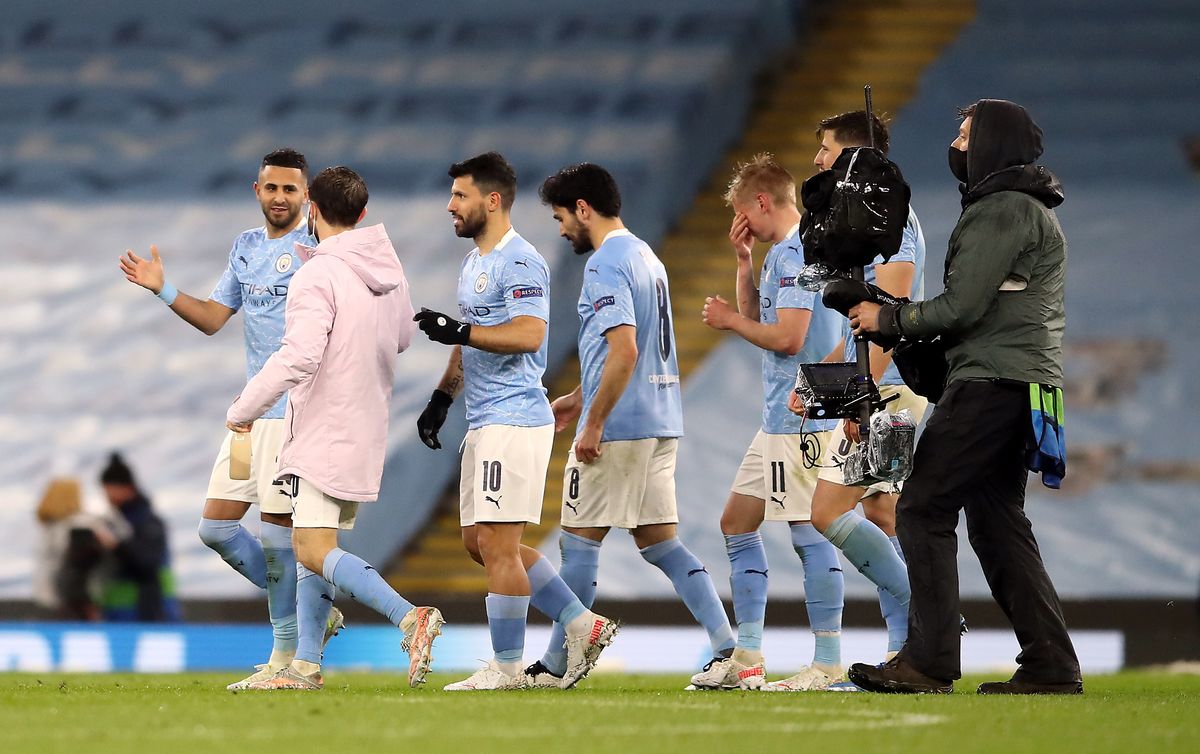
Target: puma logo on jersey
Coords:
[[573, 506], [778, 501], [491, 499], [518, 261]]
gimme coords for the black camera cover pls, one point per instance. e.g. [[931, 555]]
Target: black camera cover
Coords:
[[854, 211]]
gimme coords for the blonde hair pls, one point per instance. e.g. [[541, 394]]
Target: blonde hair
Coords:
[[60, 501], [761, 174]]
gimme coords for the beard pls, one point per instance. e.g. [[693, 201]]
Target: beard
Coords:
[[581, 244], [288, 221], [472, 225]]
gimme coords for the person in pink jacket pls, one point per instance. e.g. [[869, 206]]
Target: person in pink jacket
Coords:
[[348, 315]]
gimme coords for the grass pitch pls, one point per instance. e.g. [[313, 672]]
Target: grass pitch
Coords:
[[177, 714]]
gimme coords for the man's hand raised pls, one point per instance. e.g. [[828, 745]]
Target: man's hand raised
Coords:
[[147, 273], [741, 238]]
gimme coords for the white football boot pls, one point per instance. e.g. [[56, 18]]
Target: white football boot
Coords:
[[261, 673], [333, 627], [725, 673], [584, 645], [489, 678], [538, 676], [420, 626], [808, 679]]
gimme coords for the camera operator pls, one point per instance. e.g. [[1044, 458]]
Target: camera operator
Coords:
[[1001, 318]]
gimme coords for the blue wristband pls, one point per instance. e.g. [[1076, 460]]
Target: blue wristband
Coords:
[[168, 293]]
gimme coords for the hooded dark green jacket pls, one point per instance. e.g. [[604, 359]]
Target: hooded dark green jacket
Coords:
[[1001, 314]]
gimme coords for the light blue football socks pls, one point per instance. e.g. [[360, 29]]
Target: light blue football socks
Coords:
[[314, 597], [551, 596], [507, 615], [748, 580], [875, 556], [694, 586], [280, 562], [824, 592], [237, 547], [360, 580], [580, 564]]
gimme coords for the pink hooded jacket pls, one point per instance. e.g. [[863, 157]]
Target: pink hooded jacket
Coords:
[[348, 315]]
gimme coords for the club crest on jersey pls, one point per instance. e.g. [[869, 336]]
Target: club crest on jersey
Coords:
[[481, 282], [602, 302], [284, 263], [527, 292]]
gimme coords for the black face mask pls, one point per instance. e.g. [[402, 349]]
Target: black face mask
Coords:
[[958, 164]]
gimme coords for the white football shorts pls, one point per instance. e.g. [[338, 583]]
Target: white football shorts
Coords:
[[503, 477], [261, 489], [313, 509], [631, 484], [781, 470]]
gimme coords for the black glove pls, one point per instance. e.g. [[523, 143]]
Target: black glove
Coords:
[[843, 295], [443, 328], [433, 417]]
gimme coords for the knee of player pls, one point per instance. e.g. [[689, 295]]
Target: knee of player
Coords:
[[310, 552], [470, 540], [494, 549], [310, 558], [822, 517], [472, 549], [214, 533], [734, 520], [882, 517]]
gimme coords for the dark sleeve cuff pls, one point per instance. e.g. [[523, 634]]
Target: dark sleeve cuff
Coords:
[[889, 321]]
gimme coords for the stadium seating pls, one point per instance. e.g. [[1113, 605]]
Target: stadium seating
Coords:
[[121, 128], [1113, 86]]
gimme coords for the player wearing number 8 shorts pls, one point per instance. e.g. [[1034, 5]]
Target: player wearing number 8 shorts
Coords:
[[621, 471], [498, 358]]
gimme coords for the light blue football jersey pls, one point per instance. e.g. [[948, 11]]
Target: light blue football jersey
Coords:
[[779, 288], [624, 283], [256, 281], [912, 249], [510, 281]]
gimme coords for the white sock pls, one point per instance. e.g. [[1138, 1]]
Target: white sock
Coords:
[[581, 624], [304, 667], [747, 656], [510, 669], [279, 659]]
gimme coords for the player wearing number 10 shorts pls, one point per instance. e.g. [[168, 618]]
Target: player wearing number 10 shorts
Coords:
[[498, 358]]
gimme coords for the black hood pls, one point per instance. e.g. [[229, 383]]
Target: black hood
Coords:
[[1003, 147]]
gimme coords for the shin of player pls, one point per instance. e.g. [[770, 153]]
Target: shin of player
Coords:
[[348, 315], [778, 473], [498, 359], [258, 271], [621, 469]]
